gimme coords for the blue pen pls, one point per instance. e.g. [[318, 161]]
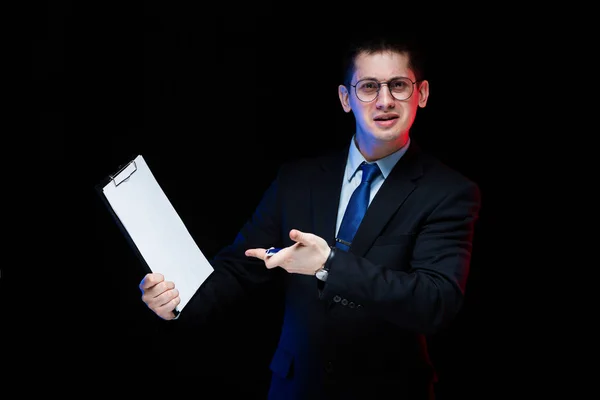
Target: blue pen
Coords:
[[271, 251]]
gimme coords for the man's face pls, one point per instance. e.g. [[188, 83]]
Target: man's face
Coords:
[[383, 119]]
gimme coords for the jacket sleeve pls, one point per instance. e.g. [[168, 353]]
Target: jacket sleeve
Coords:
[[428, 294]]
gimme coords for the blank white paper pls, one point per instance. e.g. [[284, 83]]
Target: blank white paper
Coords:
[[157, 229]]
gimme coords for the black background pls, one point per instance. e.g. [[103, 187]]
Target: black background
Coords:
[[202, 94]]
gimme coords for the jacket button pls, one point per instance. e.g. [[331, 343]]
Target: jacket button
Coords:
[[337, 298], [344, 302], [351, 304]]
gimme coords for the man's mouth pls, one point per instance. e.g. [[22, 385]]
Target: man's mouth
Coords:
[[386, 121], [385, 117]]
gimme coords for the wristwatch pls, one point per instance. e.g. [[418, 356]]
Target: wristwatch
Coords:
[[323, 272]]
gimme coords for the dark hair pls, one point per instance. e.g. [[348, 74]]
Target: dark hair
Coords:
[[398, 42]]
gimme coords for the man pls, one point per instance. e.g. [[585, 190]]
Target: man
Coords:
[[359, 301]]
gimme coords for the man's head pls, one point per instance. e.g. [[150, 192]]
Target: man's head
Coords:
[[383, 87]]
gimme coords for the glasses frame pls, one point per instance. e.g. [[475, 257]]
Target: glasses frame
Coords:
[[380, 84]]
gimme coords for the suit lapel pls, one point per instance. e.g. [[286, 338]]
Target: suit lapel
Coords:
[[396, 188], [326, 195]]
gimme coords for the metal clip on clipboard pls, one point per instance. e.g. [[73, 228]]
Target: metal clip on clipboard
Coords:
[[129, 169]]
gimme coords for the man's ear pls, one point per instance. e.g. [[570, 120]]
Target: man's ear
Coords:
[[423, 93], [344, 96]]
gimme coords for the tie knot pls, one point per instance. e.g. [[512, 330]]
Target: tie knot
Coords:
[[370, 171]]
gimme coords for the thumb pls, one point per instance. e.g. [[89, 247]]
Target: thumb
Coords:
[[299, 237]]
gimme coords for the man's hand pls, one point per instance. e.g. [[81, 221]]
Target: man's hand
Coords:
[[160, 295], [305, 257]]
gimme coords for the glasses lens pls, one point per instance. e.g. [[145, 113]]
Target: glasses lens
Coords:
[[366, 90], [401, 88]]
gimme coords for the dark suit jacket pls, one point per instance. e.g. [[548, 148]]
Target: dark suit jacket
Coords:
[[363, 335]]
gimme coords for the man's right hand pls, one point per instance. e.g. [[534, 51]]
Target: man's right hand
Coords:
[[160, 295]]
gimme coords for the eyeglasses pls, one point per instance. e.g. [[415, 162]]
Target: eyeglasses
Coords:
[[368, 89]]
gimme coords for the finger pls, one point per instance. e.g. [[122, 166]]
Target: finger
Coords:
[[166, 310], [151, 280], [257, 253], [156, 301], [153, 295], [162, 287], [167, 297]]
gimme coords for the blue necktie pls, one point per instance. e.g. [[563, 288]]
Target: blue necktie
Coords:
[[357, 206]]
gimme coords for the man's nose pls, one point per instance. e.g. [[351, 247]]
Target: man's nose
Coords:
[[385, 98]]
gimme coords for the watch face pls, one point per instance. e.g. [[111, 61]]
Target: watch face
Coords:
[[321, 275]]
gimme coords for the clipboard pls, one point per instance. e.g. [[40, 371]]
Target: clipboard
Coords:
[[153, 228]]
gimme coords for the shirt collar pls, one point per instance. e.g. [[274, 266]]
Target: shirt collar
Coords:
[[385, 164]]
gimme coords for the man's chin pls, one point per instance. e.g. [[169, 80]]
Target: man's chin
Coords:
[[388, 135]]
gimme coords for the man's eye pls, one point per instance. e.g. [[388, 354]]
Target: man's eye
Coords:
[[369, 85]]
